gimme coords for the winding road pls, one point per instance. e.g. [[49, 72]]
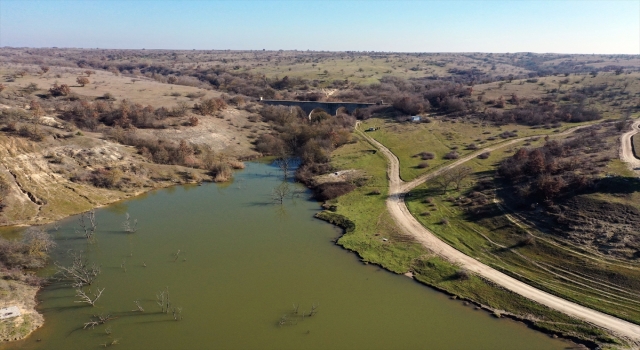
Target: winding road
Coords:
[[403, 218], [626, 149]]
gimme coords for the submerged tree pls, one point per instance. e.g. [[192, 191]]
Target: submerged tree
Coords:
[[88, 224], [80, 272], [281, 192], [128, 225]]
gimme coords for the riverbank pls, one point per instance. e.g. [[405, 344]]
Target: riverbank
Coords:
[[377, 240], [23, 296]]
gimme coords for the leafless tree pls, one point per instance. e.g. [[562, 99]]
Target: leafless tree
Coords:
[[138, 306], [88, 224], [44, 69], [88, 297], [128, 225], [163, 300], [281, 192], [459, 174], [97, 320], [80, 272], [284, 163], [177, 313], [443, 181]]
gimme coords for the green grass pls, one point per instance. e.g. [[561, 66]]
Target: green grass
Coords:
[[377, 240], [406, 140], [562, 269]]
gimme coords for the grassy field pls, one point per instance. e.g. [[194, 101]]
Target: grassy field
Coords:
[[573, 271], [138, 90], [620, 95], [440, 137], [376, 240]]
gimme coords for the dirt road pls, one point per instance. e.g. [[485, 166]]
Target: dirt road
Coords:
[[626, 149], [399, 211]]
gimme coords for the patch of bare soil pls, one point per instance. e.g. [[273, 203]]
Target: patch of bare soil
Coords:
[[45, 179], [609, 227], [349, 175], [13, 293]]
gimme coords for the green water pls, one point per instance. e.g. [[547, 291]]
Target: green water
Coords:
[[243, 262]]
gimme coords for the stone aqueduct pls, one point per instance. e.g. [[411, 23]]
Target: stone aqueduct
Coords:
[[329, 107]]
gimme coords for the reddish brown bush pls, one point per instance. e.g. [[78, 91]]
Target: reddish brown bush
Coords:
[[60, 90], [193, 121], [82, 81], [333, 190]]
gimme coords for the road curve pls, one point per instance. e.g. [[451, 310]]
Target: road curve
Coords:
[[403, 218], [626, 149]]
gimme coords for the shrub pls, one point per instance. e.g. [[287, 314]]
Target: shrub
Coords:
[[221, 172], [60, 90], [194, 94], [427, 155], [462, 275], [193, 121], [451, 155], [423, 165], [484, 155], [82, 81], [210, 106], [108, 96], [107, 178], [444, 221], [331, 190], [236, 164]]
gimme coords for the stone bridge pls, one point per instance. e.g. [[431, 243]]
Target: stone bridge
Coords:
[[329, 107]]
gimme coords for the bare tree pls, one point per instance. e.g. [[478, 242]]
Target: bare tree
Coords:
[[88, 224], [44, 69], [138, 306], [88, 297], [281, 192], [284, 163], [459, 174], [80, 272], [97, 320], [163, 300], [128, 225], [443, 181], [177, 313]]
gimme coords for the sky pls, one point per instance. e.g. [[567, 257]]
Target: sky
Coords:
[[559, 26]]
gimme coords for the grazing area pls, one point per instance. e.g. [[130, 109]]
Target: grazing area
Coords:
[[541, 195]]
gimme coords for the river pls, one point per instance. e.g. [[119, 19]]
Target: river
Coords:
[[235, 264]]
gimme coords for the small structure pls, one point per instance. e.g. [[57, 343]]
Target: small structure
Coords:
[[9, 312], [416, 119]]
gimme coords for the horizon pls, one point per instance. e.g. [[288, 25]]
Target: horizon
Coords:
[[542, 27]]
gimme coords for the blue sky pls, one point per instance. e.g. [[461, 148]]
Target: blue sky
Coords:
[[578, 26]]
